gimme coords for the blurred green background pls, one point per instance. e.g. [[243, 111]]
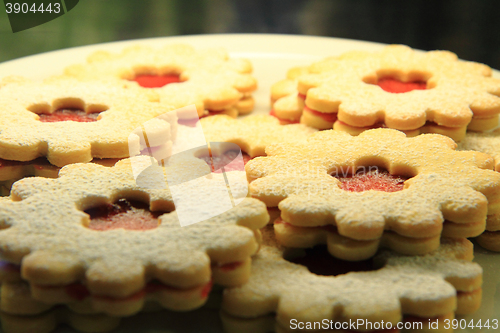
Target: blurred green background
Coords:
[[469, 28]]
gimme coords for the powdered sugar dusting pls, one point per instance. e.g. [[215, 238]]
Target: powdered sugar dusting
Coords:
[[49, 223], [25, 138], [254, 133], [488, 143], [443, 184], [291, 291]]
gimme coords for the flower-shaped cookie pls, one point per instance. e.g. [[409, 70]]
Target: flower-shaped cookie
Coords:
[[180, 74], [443, 184], [424, 286], [488, 143], [456, 91], [90, 226], [36, 121], [253, 133]]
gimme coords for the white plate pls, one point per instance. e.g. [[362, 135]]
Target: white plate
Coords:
[[272, 56]]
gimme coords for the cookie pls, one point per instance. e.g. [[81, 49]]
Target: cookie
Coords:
[[68, 121], [490, 239], [12, 171], [337, 180], [286, 104], [482, 124], [354, 86], [488, 143], [253, 133], [456, 133], [97, 233], [437, 284], [16, 299], [180, 74]]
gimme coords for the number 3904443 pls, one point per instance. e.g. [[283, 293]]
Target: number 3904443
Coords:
[[25, 8]]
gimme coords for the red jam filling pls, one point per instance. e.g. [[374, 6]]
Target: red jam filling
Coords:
[[227, 161], [397, 87], [125, 214], [320, 262], [287, 121], [231, 266], [68, 115], [156, 81], [329, 117], [377, 180], [302, 96], [79, 291]]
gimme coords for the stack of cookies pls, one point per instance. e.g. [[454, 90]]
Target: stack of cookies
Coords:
[[88, 113], [398, 88], [180, 75], [345, 215]]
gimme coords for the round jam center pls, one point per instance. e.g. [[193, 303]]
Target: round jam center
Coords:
[[397, 87], [320, 262], [377, 180], [125, 214], [228, 161], [156, 81], [68, 115]]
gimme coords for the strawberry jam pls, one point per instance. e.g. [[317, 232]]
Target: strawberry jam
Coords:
[[68, 115], [377, 180], [125, 214], [156, 81], [329, 117], [397, 87]]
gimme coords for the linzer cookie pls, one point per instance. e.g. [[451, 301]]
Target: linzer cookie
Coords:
[[253, 133], [402, 89], [19, 312], [68, 121], [302, 287], [180, 74], [98, 235], [380, 189], [488, 143]]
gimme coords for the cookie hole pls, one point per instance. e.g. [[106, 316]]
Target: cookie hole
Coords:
[[369, 178], [68, 109], [228, 160], [154, 80], [397, 83], [124, 213], [319, 261]]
